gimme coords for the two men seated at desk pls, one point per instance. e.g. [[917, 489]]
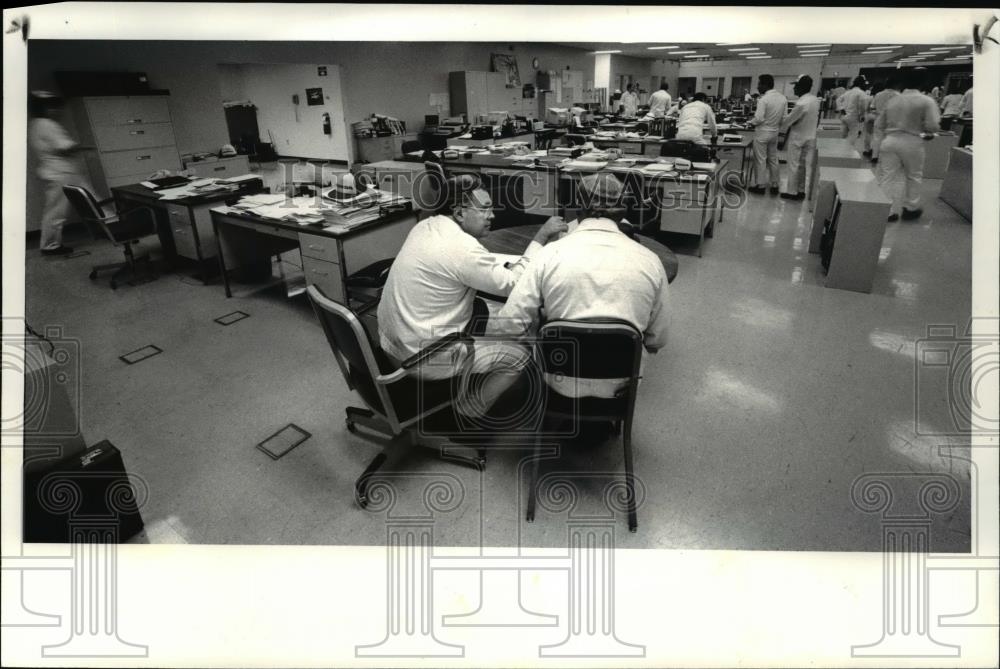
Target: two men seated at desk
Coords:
[[595, 271]]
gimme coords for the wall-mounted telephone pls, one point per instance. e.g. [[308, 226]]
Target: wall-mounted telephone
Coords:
[[326, 124], [295, 101]]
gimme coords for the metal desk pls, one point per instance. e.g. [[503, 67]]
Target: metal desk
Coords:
[[184, 226], [956, 189], [328, 256]]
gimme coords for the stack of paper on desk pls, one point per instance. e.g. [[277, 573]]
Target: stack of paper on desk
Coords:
[[585, 165], [259, 199], [708, 167], [303, 210], [240, 179]]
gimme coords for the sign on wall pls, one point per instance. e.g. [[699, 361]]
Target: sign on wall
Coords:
[[314, 96]]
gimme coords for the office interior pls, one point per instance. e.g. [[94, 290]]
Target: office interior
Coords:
[[776, 390]]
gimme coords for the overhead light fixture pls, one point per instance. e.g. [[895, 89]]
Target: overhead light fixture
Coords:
[[814, 55], [946, 48], [610, 51], [698, 55], [660, 48], [959, 58], [746, 49], [812, 46], [885, 46], [816, 51], [677, 53], [869, 53], [730, 43], [756, 57]]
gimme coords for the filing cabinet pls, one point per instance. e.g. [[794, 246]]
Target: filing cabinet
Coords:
[[374, 149], [133, 135], [223, 168]]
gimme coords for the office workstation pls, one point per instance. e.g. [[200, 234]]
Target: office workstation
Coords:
[[305, 234]]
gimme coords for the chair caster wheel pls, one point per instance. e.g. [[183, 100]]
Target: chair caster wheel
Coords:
[[93, 275], [633, 530], [351, 427]]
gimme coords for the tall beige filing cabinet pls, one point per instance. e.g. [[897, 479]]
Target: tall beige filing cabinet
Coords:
[[473, 93], [133, 135]]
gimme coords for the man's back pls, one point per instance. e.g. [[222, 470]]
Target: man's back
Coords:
[[659, 102], [693, 117], [910, 112], [771, 110], [807, 114]]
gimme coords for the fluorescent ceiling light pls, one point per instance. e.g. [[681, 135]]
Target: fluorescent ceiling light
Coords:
[[814, 55], [946, 48], [815, 51], [959, 58], [730, 43], [746, 49], [611, 51], [874, 53], [756, 57], [675, 53], [659, 48], [885, 46], [812, 46], [698, 55]]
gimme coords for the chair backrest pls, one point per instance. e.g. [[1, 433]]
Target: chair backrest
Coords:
[[410, 146], [595, 348], [682, 148], [351, 347], [432, 191], [84, 203]]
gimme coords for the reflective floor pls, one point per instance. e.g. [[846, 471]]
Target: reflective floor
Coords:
[[773, 396]]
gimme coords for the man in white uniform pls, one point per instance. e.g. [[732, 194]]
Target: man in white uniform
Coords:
[[771, 109], [57, 167], [433, 283], [951, 105], [630, 101], [908, 120], [694, 116], [879, 102], [596, 271], [801, 125], [967, 103], [852, 106], [660, 102]]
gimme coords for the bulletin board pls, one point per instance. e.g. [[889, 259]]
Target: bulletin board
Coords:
[[507, 64]]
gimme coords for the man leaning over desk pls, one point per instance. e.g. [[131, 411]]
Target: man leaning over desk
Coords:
[[432, 286], [595, 271]]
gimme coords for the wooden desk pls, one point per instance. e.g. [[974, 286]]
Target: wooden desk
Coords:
[[328, 257], [514, 241], [956, 190], [184, 226]]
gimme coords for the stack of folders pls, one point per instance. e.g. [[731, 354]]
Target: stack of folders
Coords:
[[367, 206], [277, 206], [195, 188]]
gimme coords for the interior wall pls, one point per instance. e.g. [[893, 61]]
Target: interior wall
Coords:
[[296, 129]]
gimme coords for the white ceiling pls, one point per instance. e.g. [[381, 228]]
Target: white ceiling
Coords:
[[854, 52]]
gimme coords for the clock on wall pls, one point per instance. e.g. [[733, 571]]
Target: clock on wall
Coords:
[[534, 63]]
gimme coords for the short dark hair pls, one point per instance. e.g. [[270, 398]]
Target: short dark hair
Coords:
[[664, 86], [805, 82], [767, 80], [699, 96], [39, 105], [860, 81]]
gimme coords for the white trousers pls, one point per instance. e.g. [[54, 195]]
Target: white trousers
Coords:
[[799, 153], [56, 210], [765, 158], [901, 170], [877, 137], [849, 127]]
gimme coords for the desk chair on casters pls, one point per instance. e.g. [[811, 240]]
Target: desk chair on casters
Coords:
[[396, 402], [590, 349], [123, 230]]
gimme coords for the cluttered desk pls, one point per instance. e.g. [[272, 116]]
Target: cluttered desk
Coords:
[[338, 235], [181, 207]]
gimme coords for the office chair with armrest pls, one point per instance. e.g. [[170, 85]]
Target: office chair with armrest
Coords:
[[123, 230], [590, 349], [411, 146], [396, 401]]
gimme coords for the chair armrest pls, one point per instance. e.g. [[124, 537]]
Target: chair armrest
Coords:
[[372, 276], [491, 297], [422, 356]]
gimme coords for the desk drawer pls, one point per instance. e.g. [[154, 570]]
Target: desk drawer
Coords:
[[180, 228], [120, 163], [222, 169], [128, 110], [320, 248], [123, 137], [325, 276]]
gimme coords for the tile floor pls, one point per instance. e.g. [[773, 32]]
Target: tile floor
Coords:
[[773, 395]]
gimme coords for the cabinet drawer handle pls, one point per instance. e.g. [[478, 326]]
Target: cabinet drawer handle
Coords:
[[180, 230], [138, 132], [219, 169], [316, 271], [315, 248], [146, 157], [134, 120]]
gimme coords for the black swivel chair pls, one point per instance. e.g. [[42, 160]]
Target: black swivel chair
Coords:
[[590, 349], [396, 401], [123, 230], [411, 146]]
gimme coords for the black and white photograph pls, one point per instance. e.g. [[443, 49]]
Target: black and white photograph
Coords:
[[474, 335]]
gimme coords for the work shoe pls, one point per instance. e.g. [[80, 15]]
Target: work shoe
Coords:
[[893, 218], [757, 190], [775, 190], [791, 196], [910, 214], [58, 251], [874, 161], [866, 153]]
